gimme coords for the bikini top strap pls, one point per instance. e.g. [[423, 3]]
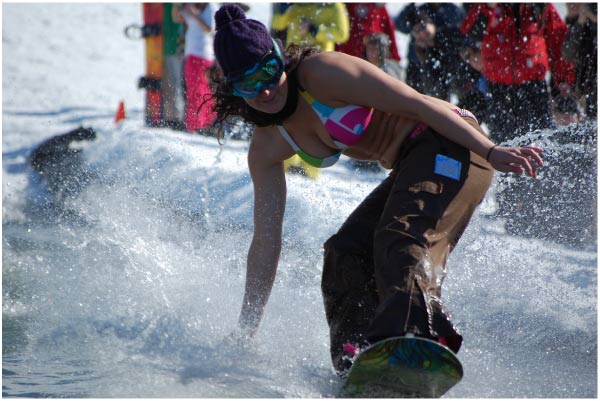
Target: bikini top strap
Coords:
[[288, 138], [307, 96]]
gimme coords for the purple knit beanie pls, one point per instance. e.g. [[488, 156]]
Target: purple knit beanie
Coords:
[[239, 42]]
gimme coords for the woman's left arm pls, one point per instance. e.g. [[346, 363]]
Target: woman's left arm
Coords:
[[337, 77]]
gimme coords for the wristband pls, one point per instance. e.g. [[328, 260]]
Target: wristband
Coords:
[[489, 153]]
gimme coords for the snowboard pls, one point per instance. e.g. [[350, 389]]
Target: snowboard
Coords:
[[402, 367], [163, 80], [152, 80]]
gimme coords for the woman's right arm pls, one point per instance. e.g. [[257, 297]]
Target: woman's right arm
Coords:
[[268, 178]]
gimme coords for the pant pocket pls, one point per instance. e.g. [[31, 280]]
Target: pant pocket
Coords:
[[421, 208]]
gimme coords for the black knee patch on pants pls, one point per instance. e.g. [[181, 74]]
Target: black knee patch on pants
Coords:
[[349, 295]]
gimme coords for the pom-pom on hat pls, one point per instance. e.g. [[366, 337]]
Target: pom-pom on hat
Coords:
[[239, 42]]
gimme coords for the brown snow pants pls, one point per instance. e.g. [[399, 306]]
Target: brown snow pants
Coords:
[[384, 268]]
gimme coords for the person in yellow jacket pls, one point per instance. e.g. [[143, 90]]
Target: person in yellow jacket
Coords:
[[322, 24]]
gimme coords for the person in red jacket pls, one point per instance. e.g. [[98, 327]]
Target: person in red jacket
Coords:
[[365, 19], [519, 43]]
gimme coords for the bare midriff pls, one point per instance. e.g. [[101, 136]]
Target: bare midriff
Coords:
[[382, 139]]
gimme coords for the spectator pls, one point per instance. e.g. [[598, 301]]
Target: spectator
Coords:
[[377, 52], [581, 48], [323, 24], [434, 49], [520, 43], [365, 19], [198, 19]]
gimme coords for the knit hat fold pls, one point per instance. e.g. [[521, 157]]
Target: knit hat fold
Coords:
[[239, 42]]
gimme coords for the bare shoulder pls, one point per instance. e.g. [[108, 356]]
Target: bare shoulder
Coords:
[[320, 65], [339, 77], [329, 58]]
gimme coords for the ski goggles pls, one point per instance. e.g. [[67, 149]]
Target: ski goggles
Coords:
[[263, 75]]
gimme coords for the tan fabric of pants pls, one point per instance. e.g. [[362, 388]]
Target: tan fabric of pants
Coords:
[[383, 270]]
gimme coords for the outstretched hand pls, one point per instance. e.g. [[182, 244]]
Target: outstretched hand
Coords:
[[516, 159], [239, 339]]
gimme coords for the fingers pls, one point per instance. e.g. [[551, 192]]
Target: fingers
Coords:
[[528, 167], [518, 160], [533, 153], [532, 159]]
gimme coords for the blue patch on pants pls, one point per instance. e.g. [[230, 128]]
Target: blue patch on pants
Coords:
[[447, 167]]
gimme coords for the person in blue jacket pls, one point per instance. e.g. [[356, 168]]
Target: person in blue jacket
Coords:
[[434, 48]]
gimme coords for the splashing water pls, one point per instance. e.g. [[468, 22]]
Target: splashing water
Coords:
[[131, 286], [561, 205]]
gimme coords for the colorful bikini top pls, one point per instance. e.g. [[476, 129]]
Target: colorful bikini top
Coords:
[[346, 126]]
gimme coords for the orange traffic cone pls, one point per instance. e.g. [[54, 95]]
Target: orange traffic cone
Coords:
[[120, 114]]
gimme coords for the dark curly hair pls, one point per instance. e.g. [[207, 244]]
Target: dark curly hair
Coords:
[[227, 105]]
